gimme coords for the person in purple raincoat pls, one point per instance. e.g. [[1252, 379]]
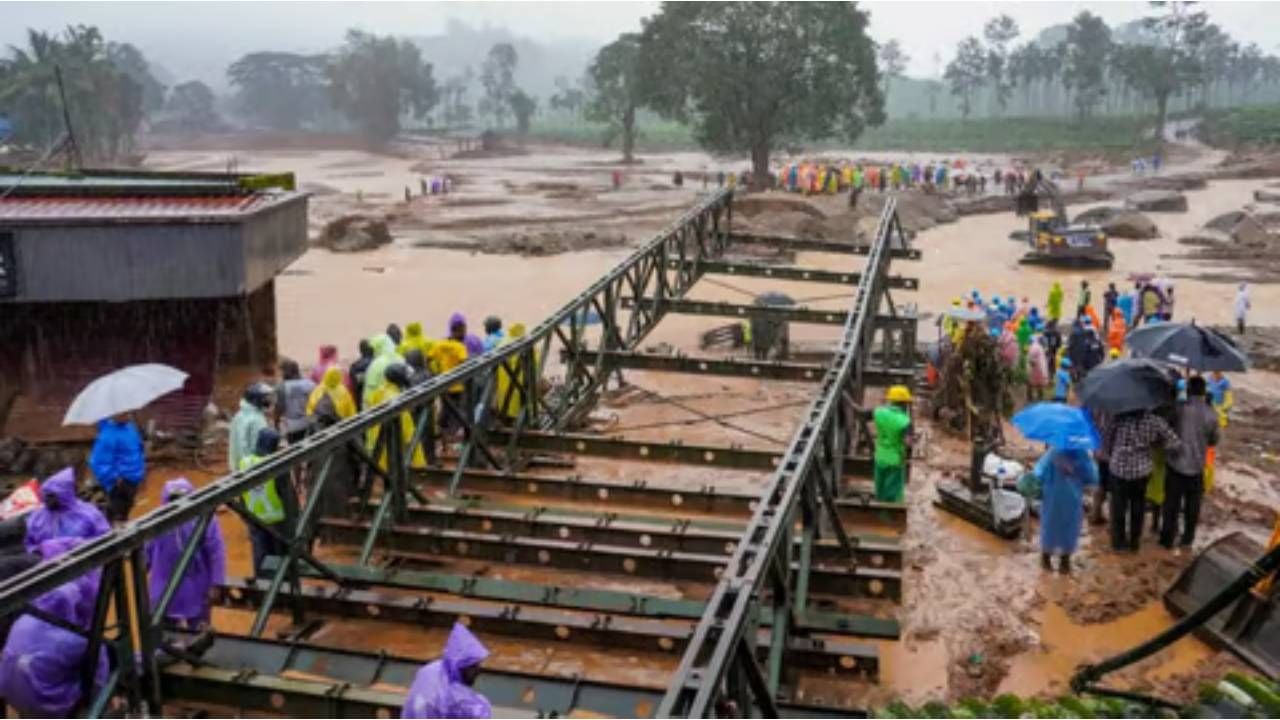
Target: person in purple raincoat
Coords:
[[40, 668], [442, 688], [208, 567], [458, 331], [63, 514]]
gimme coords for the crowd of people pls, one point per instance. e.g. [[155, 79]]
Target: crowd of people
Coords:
[[41, 663], [1158, 462]]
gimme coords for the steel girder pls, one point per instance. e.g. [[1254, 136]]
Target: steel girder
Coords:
[[606, 630], [719, 664], [600, 601], [742, 367], [679, 533], [812, 316], [248, 674], [790, 272], [902, 252], [856, 510], [658, 564], [738, 458]]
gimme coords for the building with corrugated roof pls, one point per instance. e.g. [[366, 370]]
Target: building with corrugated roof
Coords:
[[101, 269]]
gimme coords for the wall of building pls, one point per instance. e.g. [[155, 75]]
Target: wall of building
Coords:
[[119, 261]]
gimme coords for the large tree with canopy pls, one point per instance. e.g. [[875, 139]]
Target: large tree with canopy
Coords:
[[750, 75]]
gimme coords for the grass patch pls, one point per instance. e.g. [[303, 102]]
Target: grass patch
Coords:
[[1242, 127]]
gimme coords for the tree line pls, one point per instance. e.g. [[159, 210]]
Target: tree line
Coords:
[[1172, 59]]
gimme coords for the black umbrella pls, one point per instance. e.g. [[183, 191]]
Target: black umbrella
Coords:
[[1123, 386], [1189, 346]]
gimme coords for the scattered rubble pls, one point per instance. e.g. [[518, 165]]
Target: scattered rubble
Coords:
[[533, 244]]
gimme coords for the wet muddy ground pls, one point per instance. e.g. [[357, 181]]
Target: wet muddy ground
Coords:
[[979, 616]]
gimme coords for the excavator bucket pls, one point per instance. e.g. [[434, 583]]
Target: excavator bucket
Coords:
[[1249, 627]]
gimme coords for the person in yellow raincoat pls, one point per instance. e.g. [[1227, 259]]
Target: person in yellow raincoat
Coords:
[[332, 388], [846, 177], [446, 355], [515, 403], [415, 339], [396, 381]]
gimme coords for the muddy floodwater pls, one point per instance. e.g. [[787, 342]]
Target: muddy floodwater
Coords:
[[978, 615]]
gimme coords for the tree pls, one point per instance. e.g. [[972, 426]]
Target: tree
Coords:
[[616, 74], [893, 61], [1168, 64], [751, 75], [498, 77], [999, 32], [570, 98], [129, 60], [523, 106], [966, 72], [282, 91], [192, 106], [104, 103], [1088, 50], [374, 80]]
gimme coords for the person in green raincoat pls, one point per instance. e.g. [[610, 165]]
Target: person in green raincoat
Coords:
[[384, 355], [892, 423], [1055, 301]]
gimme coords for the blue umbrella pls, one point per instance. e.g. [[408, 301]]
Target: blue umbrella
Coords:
[[1058, 425]]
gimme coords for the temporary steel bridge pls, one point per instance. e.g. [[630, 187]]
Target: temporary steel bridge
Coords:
[[763, 559]]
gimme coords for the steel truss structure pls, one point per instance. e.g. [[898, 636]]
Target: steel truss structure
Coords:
[[795, 540]]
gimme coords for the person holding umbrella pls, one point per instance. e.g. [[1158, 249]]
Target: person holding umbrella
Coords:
[[1065, 472], [119, 464]]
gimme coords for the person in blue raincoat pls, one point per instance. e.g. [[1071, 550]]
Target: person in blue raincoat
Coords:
[[118, 463], [1064, 475], [443, 688], [1062, 381], [63, 514], [41, 665]]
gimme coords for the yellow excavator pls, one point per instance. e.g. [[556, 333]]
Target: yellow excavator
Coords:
[[1051, 239]]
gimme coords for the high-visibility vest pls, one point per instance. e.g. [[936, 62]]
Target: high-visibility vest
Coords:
[[263, 501]]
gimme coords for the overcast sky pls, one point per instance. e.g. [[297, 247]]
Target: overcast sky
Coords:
[[185, 35]]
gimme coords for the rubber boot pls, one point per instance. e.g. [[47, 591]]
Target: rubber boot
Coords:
[[1064, 565], [1046, 562]]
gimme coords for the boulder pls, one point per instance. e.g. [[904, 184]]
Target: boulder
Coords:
[[1157, 201], [354, 233], [1097, 216], [1226, 221], [1250, 233], [1205, 236], [1130, 225], [1181, 181], [1268, 196]]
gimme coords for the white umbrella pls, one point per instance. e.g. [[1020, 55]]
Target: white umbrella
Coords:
[[124, 390]]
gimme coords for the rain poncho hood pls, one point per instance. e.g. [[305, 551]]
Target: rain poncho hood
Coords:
[[208, 566], [438, 690], [384, 354], [117, 454], [332, 387], [41, 664], [328, 359], [474, 345], [245, 427], [73, 517], [414, 339]]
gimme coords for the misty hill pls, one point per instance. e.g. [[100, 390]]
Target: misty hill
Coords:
[[462, 46]]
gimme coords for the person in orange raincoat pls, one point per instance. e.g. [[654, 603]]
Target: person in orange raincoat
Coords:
[[1116, 333], [1093, 315]]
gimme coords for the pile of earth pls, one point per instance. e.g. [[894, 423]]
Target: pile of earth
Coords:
[[1248, 166], [1237, 227], [354, 233], [918, 210]]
